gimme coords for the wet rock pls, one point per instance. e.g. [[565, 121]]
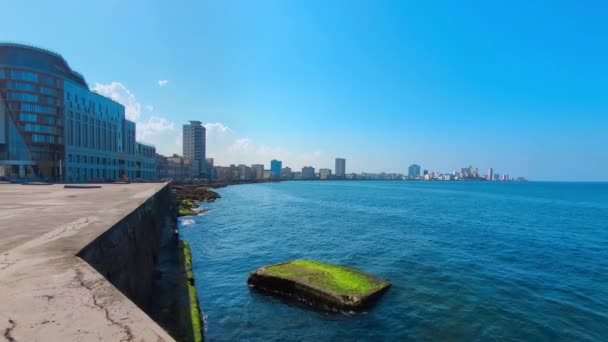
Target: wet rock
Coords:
[[321, 285]]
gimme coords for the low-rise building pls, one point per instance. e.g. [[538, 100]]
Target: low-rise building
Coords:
[[324, 173], [308, 172]]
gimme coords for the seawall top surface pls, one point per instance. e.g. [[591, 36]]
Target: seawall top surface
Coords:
[[47, 293]]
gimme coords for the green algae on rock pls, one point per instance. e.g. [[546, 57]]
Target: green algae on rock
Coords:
[[186, 207], [319, 284]]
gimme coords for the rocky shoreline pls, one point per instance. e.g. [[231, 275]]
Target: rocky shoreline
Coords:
[[195, 193]]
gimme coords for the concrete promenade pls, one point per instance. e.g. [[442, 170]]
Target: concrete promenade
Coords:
[[47, 293]]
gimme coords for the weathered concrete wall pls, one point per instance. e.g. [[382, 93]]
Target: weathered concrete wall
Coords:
[[48, 293], [127, 254]]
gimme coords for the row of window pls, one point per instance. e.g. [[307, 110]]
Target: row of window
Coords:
[[31, 98], [38, 138], [19, 75], [30, 107], [26, 117], [21, 97], [100, 137], [29, 76], [77, 158], [31, 87], [41, 129], [45, 119], [84, 118], [95, 160], [89, 106]]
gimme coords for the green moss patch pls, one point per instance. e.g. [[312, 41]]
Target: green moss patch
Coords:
[[319, 283], [195, 311], [185, 208], [335, 278]]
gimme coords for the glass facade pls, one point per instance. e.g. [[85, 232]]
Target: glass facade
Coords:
[[53, 127]]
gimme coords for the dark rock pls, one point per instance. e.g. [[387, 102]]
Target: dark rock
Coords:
[[320, 285]]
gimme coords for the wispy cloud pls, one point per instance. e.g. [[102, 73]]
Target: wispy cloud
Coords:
[[154, 129], [163, 83], [222, 142], [231, 150], [119, 93], [217, 128], [153, 126]]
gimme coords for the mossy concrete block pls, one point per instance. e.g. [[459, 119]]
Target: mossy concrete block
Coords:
[[321, 285]]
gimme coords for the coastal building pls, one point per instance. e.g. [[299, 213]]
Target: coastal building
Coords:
[[308, 172], [162, 166], [413, 171], [257, 171], [244, 172], [490, 174], [210, 170], [286, 173], [53, 127], [340, 168], [223, 173], [194, 147], [180, 168], [324, 173], [275, 168]]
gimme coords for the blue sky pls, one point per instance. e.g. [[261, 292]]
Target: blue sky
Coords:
[[521, 86]]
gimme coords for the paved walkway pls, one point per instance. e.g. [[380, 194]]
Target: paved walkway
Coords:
[[46, 292]]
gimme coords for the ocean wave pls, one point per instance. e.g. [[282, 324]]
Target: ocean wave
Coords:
[[187, 222]]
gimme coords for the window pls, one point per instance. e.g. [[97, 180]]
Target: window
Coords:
[[37, 138], [20, 86], [23, 76], [48, 80], [21, 97], [28, 117], [49, 100], [29, 107], [49, 91], [38, 128]]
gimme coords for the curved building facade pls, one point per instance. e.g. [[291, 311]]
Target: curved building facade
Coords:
[[53, 127]]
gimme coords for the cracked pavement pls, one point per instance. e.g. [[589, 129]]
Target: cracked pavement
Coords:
[[47, 292]]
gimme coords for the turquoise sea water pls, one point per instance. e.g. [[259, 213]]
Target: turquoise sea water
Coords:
[[468, 260]]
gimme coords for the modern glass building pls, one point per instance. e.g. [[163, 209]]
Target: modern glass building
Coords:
[[194, 147], [340, 168], [53, 127], [275, 168], [413, 171]]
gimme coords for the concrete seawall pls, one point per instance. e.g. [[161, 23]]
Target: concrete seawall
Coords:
[[86, 264], [127, 253]]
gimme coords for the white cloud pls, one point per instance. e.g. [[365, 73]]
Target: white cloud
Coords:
[[241, 146], [217, 128], [119, 93], [222, 144], [163, 83], [246, 151], [154, 126], [153, 129]]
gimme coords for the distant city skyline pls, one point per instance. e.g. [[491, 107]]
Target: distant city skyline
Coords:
[[382, 84]]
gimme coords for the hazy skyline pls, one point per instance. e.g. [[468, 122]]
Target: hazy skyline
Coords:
[[520, 87]]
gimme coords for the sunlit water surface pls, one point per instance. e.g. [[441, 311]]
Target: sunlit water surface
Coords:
[[468, 260]]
